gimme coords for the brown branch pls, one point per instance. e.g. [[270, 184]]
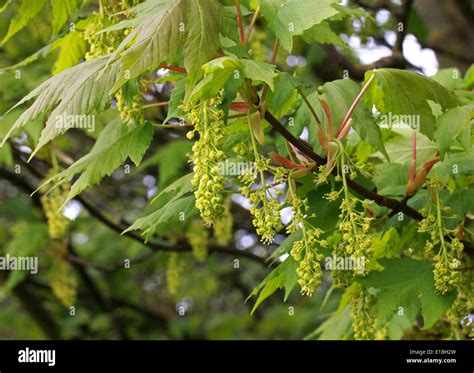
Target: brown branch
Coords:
[[391, 203]]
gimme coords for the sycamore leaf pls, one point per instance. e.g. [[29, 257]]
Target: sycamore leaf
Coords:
[[322, 34], [269, 8], [339, 95], [403, 282], [27, 11], [115, 144], [285, 246], [176, 99], [157, 39], [178, 189], [61, 10], [296, 16], [74, 91], [284, 276], [167, 30], [260, 71], [72, 49], [170, 212], [202, 42], [405, 93], [399, 148], [454, 125], [218, 72]]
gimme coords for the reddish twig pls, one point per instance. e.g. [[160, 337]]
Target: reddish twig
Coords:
[[239, 21], [352, 108]]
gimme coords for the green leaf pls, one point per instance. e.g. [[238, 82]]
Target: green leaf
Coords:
[[202, 42], [391, 179], [178, 189], [284, 276], [167, 30], [218, 72], [322, 34], [72, 49], [454, 125], [335, 327], [156, 39], [115, 144], [399, 148], [61, 11], [176, 99], [75, 91], [469, 78], [170, 212], [285, 246], [28, 10], [340, 94], [259, 71], [284, 97], [403, 282], [449, 78], [269, 8], [392, 91], [296, 16]]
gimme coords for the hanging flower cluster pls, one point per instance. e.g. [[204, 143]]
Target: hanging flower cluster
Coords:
[[206, 156], [445, 253]]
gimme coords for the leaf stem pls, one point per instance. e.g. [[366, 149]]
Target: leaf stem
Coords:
[[175, 68], [274, 56], [239, 21], [252, 24], [310, 107], [353, 106]]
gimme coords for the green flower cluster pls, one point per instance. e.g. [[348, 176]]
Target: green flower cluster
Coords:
[[131, 111], [265, 205], [356, 242], [223, 226], [305, 251], [51, 202], [206, 156], [197, 236], [174, 270], [445, 253], [462, 326], [354, 226], [362, 317]]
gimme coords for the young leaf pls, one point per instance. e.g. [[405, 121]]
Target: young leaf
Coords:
[[115, 144], [406, 93], [61, 11], [202, 41], [170, 212], [260, 71], [404, 281], [454, 125], [72, 49], [74, 91], [296, 16], [284, 276], [28, 10]]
